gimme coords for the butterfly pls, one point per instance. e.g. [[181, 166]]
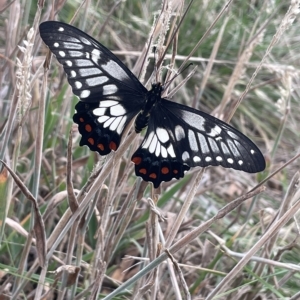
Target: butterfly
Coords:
[[177, 138]]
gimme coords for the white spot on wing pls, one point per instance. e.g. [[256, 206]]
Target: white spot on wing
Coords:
[[153, 144], [215, 131], [233, 148], [113, 69], [114, 97], [56, 44], [225, 149], [185, 156], [157, 151], [107, 103], [89, 72], [68, 63], [121, 125], [85, 93], [96, 80], [193, 120], [162, 134], [103, 119], [164, 152], [213, 146], [147, 142], [179, 133], [196, 159], [62, 53], [219, 158], [117, 110], [83, 63], [230, 160], [73, 74], [108, 122], [252, 151], [99, 111], [109, 89], [233, 135], [115, 124], [96, 52], [203, 144], [78, 84], [71, 39], [69, 45], [171, 151], [192, 140], [208, 159], [61, 29], [85, 41], [240, 162], [74, 53]]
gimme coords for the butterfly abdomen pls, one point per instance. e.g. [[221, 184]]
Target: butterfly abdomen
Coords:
[[141, 121]]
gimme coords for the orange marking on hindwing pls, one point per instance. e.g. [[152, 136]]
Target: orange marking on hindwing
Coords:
[[136, 160], [91, 141], [113, 146], [88, 127], [165, 170], [143, 171], [100, 146], [153, 176]]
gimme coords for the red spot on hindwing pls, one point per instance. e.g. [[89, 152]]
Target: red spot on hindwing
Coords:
[[101, 147], [81, 120], [153, 176], [175, 171], [143, 171], [113, 146], [88, 127], [165, 170], [91, 141], [136, 160]]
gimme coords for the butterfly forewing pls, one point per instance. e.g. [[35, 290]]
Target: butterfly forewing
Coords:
[[179, 137], [111, 94], [93, 71]]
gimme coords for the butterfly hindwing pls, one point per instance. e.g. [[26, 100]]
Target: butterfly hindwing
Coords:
[[179, 137], [111, 95], [101, 125]]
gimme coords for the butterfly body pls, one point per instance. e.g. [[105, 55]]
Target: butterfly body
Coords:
[[177, 138], [152, 98]]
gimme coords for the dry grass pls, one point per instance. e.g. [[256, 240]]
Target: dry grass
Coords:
[[75, 225]]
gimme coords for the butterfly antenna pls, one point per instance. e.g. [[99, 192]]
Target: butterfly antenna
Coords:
[[155, 70]]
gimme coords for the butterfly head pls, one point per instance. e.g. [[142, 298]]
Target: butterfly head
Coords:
[[157, 89]]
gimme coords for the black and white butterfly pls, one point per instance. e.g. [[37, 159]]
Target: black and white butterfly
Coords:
[[177, 138]]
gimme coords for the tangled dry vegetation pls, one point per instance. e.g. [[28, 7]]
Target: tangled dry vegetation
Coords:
[[75, 225]]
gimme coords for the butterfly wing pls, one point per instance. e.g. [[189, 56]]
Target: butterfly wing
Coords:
[[179, 137], [111, 95]]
